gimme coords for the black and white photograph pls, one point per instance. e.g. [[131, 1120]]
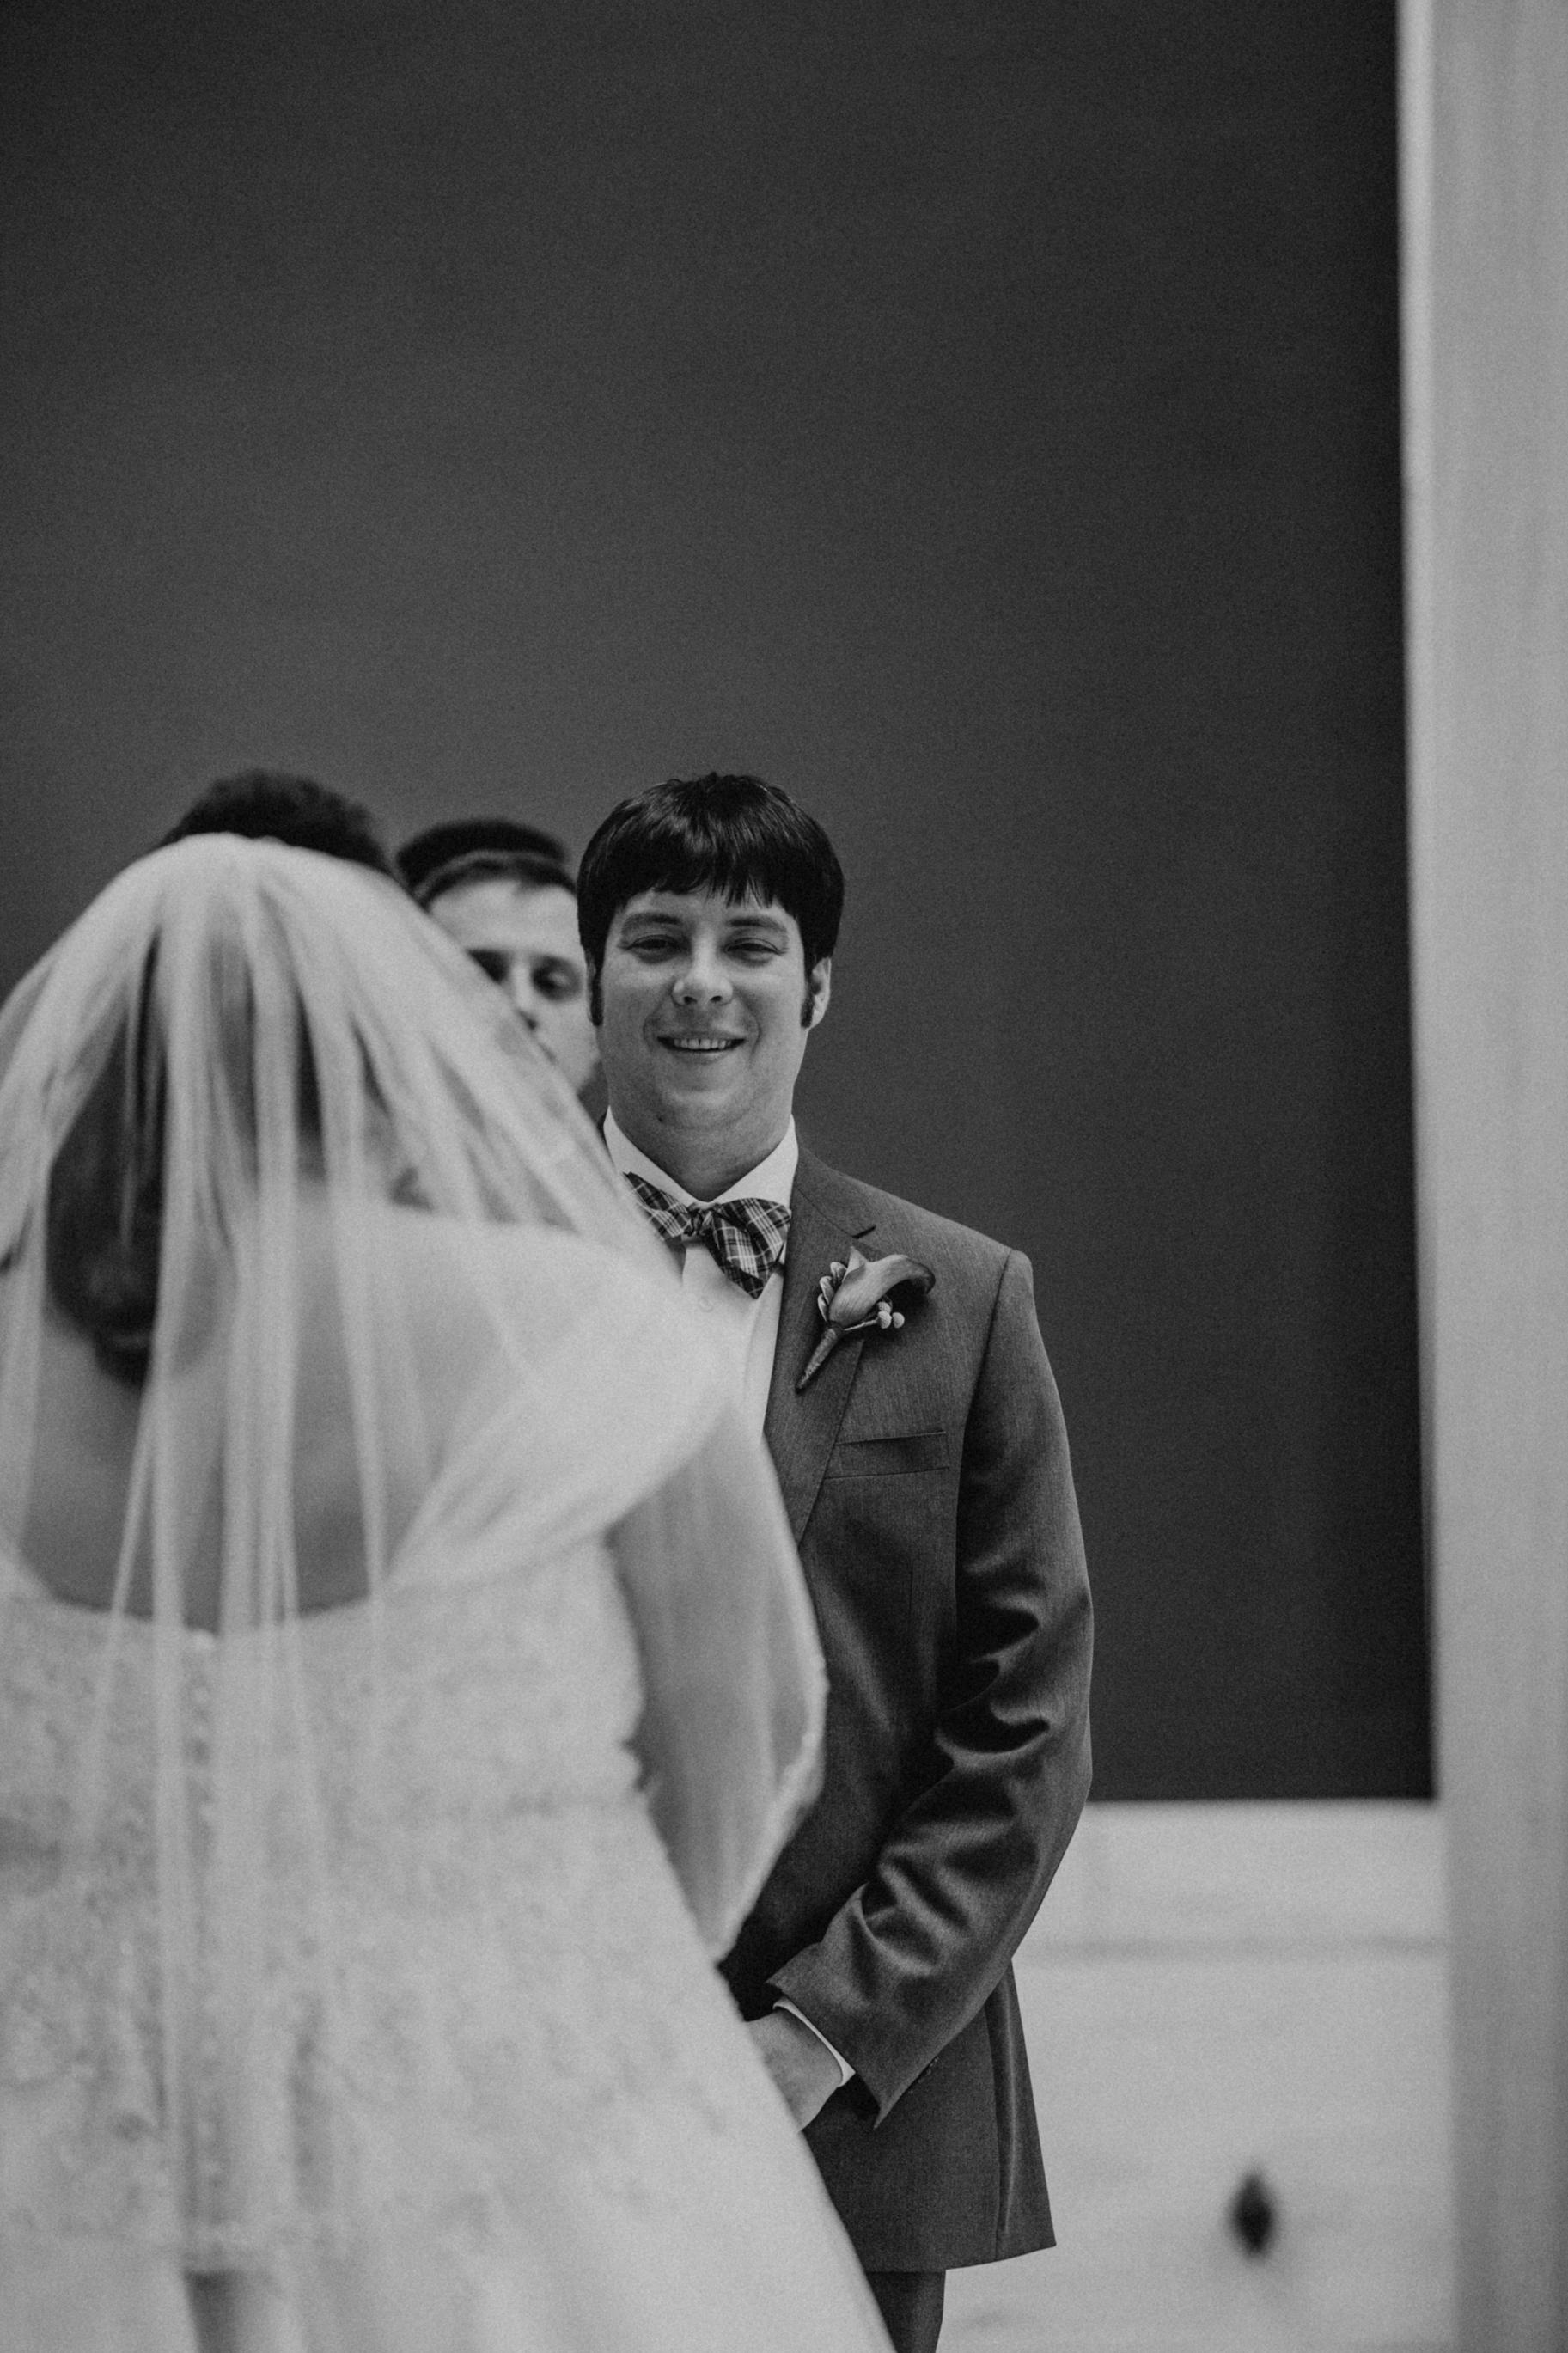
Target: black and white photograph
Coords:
[[783, 1176]]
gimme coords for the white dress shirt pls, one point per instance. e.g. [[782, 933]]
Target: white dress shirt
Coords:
[[747, 1328]]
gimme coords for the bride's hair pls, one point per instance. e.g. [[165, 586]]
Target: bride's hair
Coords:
[[105, 1217], [265, 804], [106, 1189]]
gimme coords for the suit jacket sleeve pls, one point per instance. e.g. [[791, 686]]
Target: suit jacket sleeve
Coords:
[[915, 1952]]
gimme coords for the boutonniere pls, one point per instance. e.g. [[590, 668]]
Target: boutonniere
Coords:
[[859, 1298]]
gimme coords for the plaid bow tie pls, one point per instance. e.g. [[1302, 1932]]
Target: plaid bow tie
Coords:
[[747, 1238]]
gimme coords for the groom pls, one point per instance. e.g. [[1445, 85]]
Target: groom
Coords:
[[924, 1469]]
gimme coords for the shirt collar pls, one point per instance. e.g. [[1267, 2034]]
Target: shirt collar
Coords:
[[772, 1179]]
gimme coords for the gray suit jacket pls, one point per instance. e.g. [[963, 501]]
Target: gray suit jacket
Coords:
[[926, 1477]]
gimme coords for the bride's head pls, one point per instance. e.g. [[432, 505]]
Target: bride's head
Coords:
[[107, 1179], [235, 1025]]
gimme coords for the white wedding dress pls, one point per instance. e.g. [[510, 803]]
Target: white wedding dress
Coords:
[[611, 2168], [342, 1962]]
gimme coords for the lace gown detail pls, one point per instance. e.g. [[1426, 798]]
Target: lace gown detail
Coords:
[[508, 2053]]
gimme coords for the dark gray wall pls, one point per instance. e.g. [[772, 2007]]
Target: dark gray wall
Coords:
[[977, 416]]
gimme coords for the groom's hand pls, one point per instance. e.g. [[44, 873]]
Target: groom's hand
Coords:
[[803, 2069]]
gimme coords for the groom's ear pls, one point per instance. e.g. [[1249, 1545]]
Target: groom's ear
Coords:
[[595, 993], [819, 989]]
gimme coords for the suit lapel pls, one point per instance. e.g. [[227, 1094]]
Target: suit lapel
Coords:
[[800, 1425]]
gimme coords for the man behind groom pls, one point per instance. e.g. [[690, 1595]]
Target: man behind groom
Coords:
[[924, 1467]]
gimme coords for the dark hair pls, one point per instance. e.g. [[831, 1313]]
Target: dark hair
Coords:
[[104, 1220], [472, 849], [104, 1217], [262, 805], [734, 835]]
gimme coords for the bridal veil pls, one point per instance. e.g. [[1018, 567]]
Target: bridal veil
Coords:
[[313, 1282]]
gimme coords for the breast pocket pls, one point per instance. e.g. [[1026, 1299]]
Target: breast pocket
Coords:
[[888, 1458]]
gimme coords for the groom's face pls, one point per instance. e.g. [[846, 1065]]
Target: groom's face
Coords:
[[706, 1006]]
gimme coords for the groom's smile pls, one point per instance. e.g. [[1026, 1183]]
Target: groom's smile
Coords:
[[681, 1042], [705, 1009]]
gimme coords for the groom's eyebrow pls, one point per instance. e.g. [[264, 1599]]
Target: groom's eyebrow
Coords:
[[651, 919]]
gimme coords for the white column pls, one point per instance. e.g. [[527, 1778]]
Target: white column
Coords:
[[1485, 159]]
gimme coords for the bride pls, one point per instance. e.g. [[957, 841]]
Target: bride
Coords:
[[405, 1679]]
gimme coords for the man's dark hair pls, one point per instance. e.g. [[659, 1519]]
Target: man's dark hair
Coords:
[[475, 848], [265, 805], [733, 835]]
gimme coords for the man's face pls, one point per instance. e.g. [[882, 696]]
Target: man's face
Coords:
[[526, 940], [706, 1010]]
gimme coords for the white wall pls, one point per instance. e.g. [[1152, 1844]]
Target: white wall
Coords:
[[1212, 1990], [1485, 111]]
